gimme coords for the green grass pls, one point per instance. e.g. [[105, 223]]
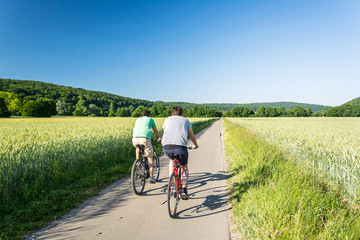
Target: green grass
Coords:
[[101, 152], [273, 198]]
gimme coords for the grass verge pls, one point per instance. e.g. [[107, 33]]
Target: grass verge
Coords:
[[51, 200], [273, 198]]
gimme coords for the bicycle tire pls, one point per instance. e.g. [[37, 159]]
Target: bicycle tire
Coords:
[[156, 166], [138, 176], [172, 196]]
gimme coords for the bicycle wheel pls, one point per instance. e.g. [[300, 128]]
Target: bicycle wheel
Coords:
[[156, 166], [138, 176], [172, 196]]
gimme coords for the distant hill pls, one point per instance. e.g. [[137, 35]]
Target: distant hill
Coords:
[[68, 99], [348, 109], [32, 90], [354, 101], [253, 106]]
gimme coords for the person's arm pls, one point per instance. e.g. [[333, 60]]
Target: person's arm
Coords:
[[193, 139], [153, 126], [157, 133]]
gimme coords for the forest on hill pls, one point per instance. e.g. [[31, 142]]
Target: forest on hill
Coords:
[[253, 106], [40, 99], [348, 109], [33, 98]]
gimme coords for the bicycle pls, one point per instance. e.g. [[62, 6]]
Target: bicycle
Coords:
[[140, 170], [174, 186]]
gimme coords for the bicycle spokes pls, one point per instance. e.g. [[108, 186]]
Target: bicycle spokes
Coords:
[[138, 177], [173, 196]]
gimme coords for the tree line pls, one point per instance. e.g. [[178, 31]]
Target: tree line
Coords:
[[262, 111], [12, 105], [39, 99], [346, 110], [253, 106]]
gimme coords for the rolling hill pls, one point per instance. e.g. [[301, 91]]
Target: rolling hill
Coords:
[[29, 90]]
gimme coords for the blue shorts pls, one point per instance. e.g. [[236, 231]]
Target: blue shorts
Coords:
[[180, 150]]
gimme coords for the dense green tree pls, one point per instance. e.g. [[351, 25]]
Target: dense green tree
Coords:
[[260, 112], [241, 112], [12, 102], [123, 112], [112, 110], [270, 111], [62, 108], [297, 111], [131, 109], [308, 112], [29, 108], [138, 111], [355, 110], [158, 110], [281, 111], [345, 110], [42, 107], [227, 114], [4, 111], [118, 112], [94, 110], [81, 108], [45, 107], [202, 112]]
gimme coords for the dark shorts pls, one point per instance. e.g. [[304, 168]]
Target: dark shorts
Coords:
[[181, 150]]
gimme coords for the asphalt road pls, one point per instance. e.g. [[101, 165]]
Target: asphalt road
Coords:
[[117, 213]]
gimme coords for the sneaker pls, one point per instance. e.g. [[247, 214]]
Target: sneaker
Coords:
[[184, 194], [152, 180]]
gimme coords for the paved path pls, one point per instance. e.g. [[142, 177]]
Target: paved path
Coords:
[[117, 213]]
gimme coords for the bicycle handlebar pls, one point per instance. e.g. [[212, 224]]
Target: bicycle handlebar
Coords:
[[154, 139], [192, 147]]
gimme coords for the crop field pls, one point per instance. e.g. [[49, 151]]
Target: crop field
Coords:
[[36, 151], [329, 144], [293, 178], [49, 165]]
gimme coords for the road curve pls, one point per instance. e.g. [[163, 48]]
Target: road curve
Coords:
[[117, 213]]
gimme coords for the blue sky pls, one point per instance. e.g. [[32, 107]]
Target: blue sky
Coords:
[[193, 51]]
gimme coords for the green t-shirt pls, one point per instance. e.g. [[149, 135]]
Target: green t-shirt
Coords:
[[143, 127]]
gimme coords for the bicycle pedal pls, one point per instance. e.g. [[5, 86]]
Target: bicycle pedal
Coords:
[[184, 197]]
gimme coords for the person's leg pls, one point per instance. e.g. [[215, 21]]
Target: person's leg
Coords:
[[171, 167], [137, 152], [184, 175], [149, 152], [151, 166]]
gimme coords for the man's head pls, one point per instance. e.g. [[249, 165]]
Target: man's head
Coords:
[[146, 113], [177, 111]]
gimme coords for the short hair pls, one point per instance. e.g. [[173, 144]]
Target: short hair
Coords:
[[146, 113], [177, 111]]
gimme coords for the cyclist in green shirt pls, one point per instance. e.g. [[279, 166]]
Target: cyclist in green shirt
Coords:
[[142, 135]]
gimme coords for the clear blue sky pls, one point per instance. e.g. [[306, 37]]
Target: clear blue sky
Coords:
[[193, 51]]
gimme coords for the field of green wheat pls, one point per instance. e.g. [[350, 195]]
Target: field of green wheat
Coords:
[[294, 178], [329, 144], [48, 165]]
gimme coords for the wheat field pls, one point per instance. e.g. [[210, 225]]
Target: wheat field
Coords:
[[35, 151], [329, 144]]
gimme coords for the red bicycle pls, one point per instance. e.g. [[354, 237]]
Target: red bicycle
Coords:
[[174, 186]]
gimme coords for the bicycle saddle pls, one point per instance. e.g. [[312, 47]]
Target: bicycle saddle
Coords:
[[140, 146], [174, 156]]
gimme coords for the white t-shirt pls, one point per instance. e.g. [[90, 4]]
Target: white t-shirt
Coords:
[[175, 131]]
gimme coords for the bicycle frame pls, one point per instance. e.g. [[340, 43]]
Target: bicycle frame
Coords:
[[144, 158], [177, 173]]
